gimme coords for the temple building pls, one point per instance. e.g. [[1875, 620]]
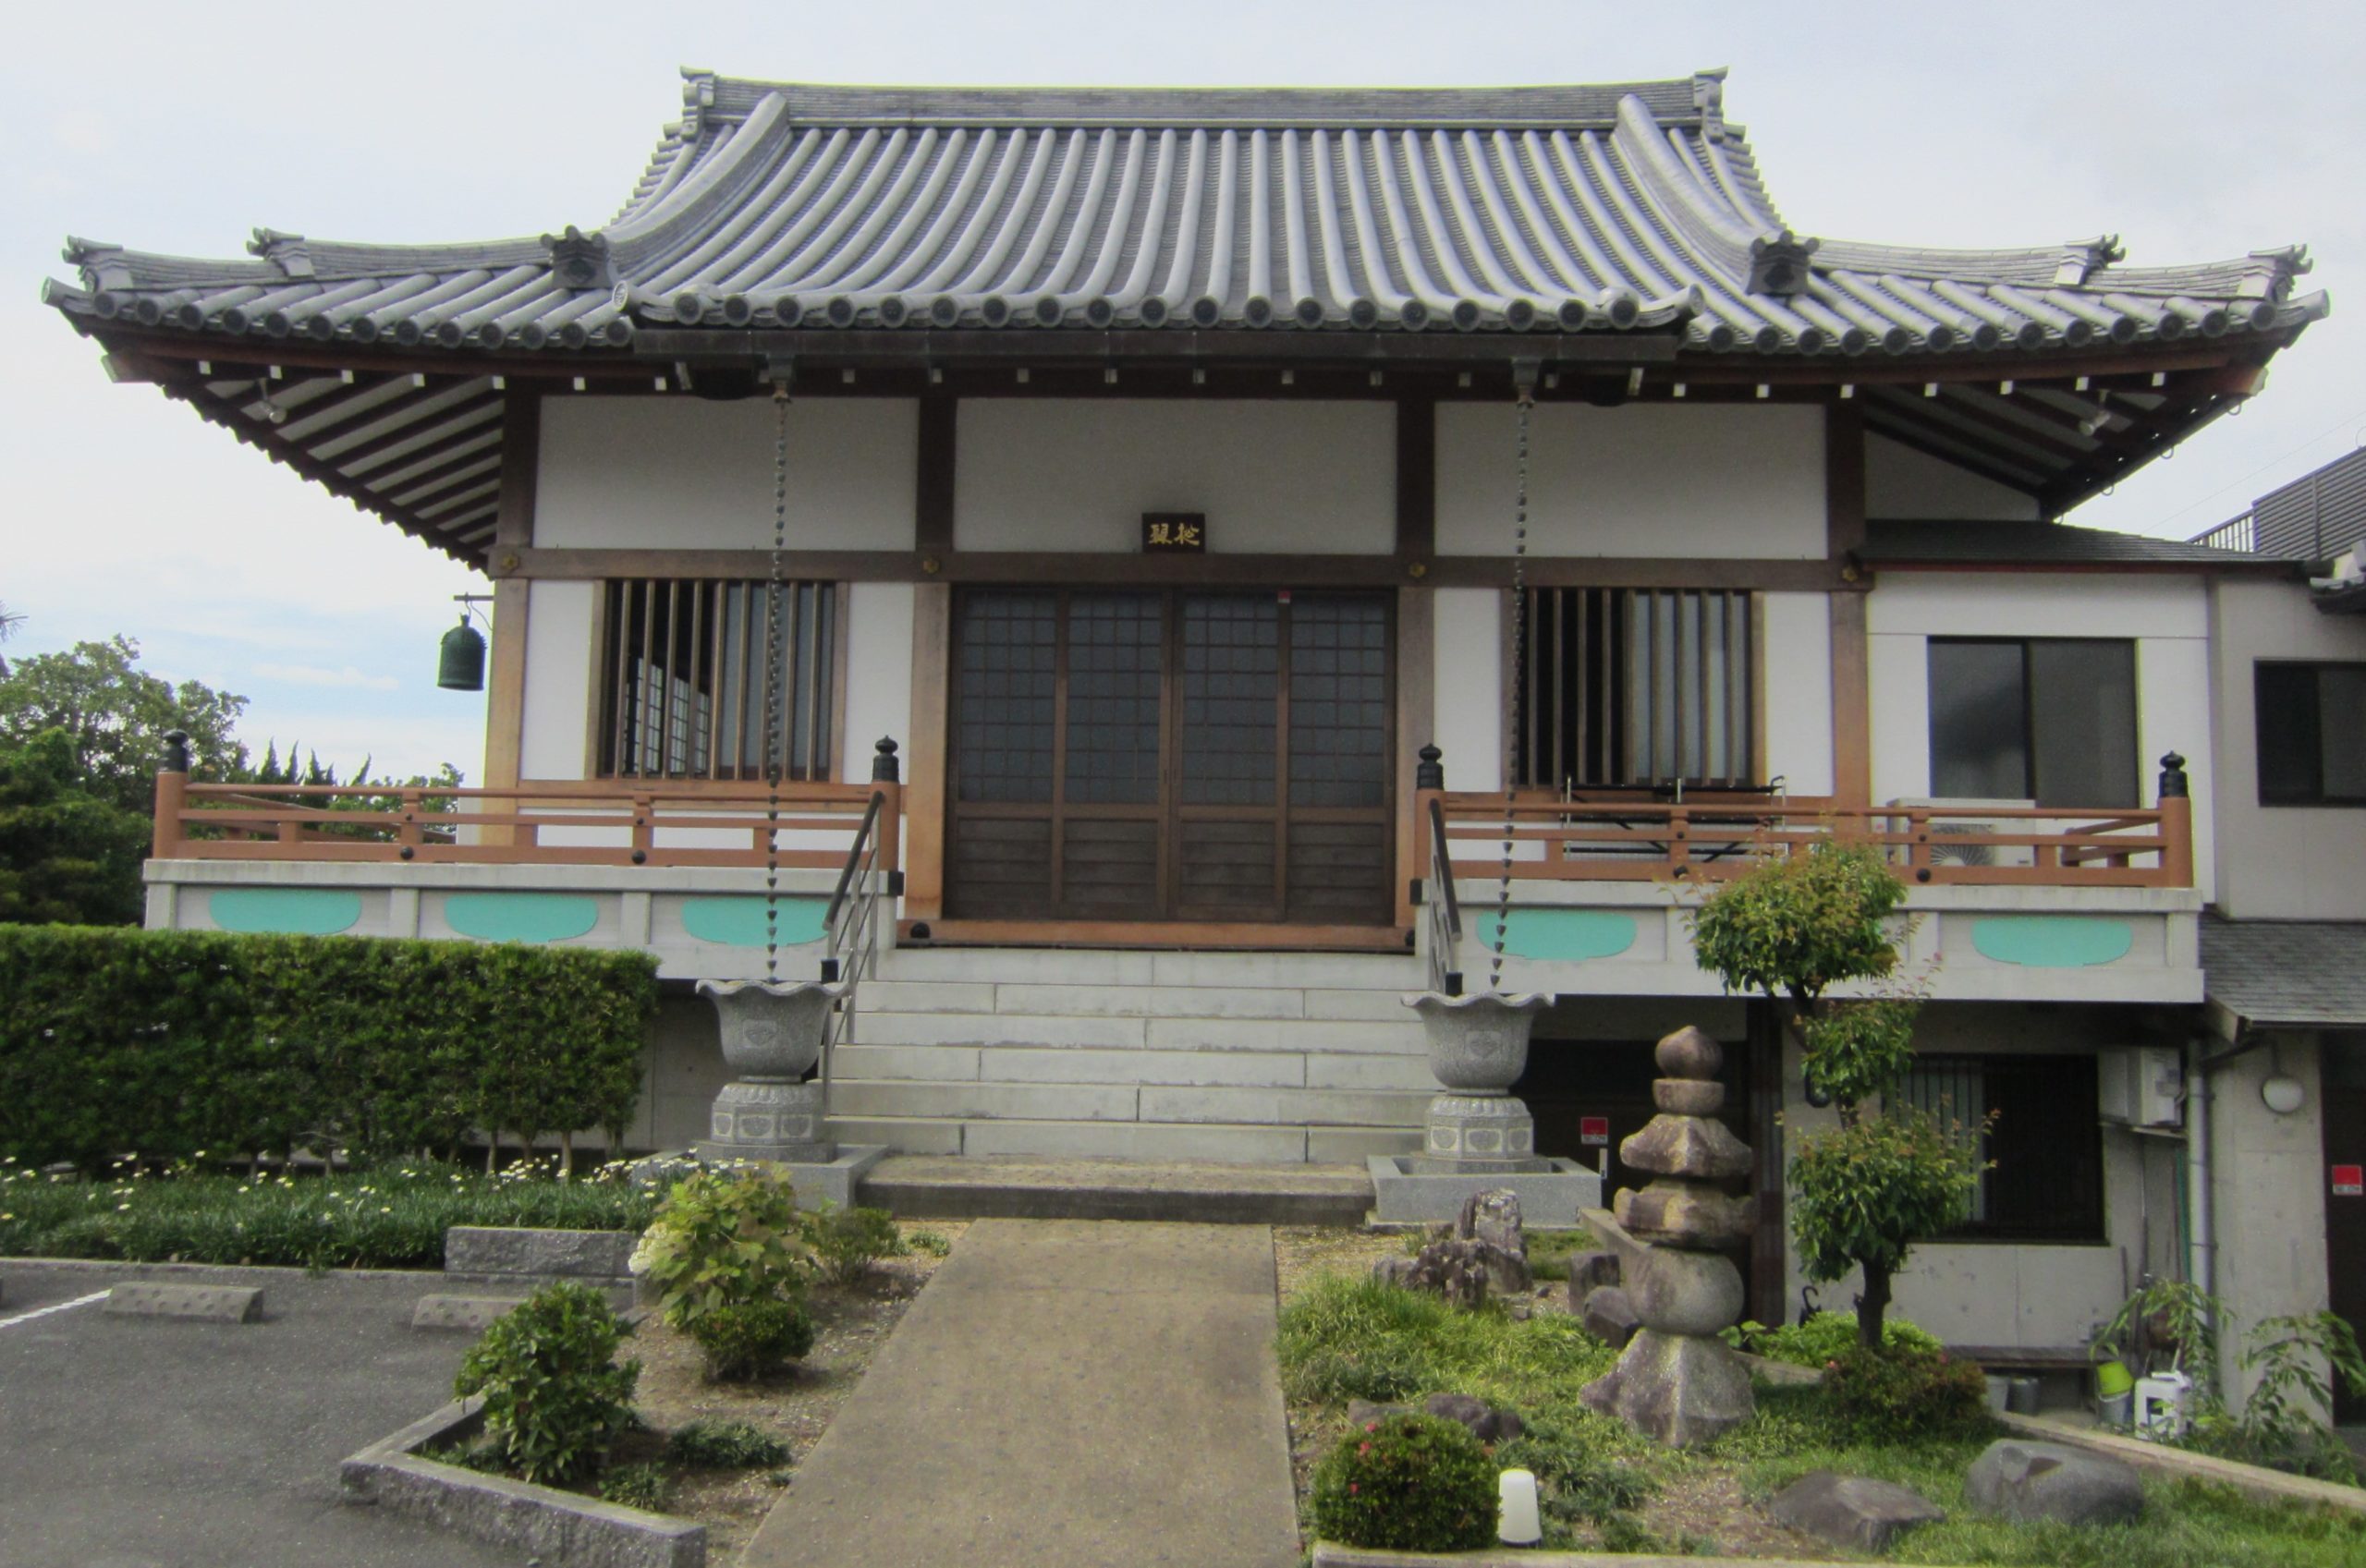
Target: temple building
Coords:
[[1227, 503]]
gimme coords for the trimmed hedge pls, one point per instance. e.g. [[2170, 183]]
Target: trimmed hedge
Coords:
[[168, 1042]]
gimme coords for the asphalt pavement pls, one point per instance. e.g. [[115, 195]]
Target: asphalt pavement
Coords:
[[145, 1442]]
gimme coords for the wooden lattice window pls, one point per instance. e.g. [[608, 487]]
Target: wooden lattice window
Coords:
[[682, 678], [1621, 688]]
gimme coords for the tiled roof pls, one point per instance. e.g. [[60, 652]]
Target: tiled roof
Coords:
[[1905, 542], [1567, 209], [2292, 973]]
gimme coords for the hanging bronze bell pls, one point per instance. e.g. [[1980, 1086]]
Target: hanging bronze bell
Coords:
[[461, 666]]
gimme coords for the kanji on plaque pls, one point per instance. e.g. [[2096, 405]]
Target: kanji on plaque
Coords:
[[2349, 1181], [1593, 1130], [1174, 533]]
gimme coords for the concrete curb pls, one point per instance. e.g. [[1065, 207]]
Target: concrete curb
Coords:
[[561, 1529], [2160, 1459], [1330, 1555]]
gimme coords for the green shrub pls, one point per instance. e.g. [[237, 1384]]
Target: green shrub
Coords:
[[722, 1238], [744, 1340], [933, 1243], [723, 1445], [1406, 1483], [1881, 1396], [646, 1487], [1825, 1337], [1380, 1373], [846, 1241], [555, 1396], [168, 1042]]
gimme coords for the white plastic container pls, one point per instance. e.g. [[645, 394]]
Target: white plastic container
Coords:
[[1517, 1522], [2162, 1401]]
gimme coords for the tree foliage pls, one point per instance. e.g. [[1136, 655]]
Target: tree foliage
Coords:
[[116, 715], [68, 854], [1792, 929]]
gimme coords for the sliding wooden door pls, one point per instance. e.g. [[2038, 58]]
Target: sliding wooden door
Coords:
[[1145, 755]]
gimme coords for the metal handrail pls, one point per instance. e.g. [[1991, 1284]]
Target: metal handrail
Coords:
[[1445, 910], [851, 926]]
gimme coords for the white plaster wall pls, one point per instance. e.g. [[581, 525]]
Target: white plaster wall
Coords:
[[1902, 482], [879, 674], [1273, 476], [2169, 617], [2269, 1210], [1797, 646], [1718, 481], [1469, 672], [2293, 862], [677, 472], [557, 717]]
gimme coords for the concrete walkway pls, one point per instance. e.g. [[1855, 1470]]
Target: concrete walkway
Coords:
[[1064, 1393]]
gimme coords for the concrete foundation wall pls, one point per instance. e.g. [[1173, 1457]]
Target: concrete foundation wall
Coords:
[[1640, 480]]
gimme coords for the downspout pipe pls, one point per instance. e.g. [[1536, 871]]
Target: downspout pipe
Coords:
[[2202, 1245]]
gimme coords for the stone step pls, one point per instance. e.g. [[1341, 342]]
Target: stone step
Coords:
[[970, 1100], [1129, 1140], [1318, 1005], [1113, 1032], [1099, 1189], [1091, 967]]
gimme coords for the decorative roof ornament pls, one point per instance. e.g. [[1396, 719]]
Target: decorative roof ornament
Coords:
[[1709, 97], [2083, 258], [2287, 261], [288, 252], [698, 98], [1778, 263], [580, 260], [102, 263]]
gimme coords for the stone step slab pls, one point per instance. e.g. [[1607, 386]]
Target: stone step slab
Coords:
[[1061, 1103], [998, 1029], [505, 1249], [1153, 1000], [203, 1304], [1284, 1107], [1352, 1038], [470, 1314], [1136, 1140]]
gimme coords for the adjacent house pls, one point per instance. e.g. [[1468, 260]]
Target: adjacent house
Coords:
[[1199, 517]]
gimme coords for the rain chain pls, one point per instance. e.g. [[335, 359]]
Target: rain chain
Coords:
[[1511, 707], [775, 728]]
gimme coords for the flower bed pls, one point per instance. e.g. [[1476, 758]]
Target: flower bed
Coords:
[[1606, 1489], [392, 1216]]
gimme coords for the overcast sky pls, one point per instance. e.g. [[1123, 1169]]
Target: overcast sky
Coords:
[[2194, 132]]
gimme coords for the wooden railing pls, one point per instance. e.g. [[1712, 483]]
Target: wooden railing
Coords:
[[539, 822], [1712, 837]]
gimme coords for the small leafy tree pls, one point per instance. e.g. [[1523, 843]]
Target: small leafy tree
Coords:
[[1791, 929], [115, 716], [67, 856]]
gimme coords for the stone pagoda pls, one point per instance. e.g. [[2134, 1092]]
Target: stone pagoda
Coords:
[[1677, 1381]]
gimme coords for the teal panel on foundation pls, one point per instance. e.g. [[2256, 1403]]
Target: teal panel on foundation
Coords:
[[289, 911], [739, 922], [2052, 941], [520, 917], [1562, 936]]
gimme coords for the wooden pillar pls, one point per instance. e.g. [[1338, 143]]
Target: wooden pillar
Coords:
[[504, 712], [1417, 530], [924, 782], [1844, 501], [933, 494]]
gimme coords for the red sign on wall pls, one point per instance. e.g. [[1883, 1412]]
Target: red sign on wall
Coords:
[[2349, 1181], [1593, 1129]]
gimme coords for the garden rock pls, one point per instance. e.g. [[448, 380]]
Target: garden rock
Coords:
[[2025, 1481], [1679, 1390], [1609, 1317], [1485, 1422], [1364, 1412], [1851, 1510], [1590, 1269], [1484, 1251]]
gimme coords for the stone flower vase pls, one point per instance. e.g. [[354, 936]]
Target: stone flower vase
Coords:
[[1478, 1047], [771, 1037]]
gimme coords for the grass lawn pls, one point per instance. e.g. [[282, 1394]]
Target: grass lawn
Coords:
[[393, 1216], [1343, 1337]]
